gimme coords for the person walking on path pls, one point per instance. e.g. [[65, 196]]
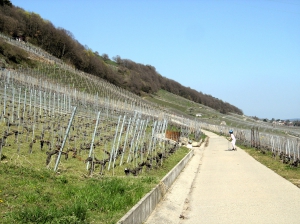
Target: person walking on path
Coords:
[[232, 139]]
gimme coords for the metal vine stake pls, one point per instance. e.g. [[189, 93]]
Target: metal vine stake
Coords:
[[92, 143], [65, 138]]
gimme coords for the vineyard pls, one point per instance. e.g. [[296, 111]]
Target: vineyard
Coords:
[[56, 110], [51, 128], [39, 116], [62, 111], [60, 121]]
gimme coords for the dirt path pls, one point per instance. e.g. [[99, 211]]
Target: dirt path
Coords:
[[222, 186]]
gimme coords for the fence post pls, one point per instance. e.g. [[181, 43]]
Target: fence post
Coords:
[[125, 141], [65, 138], [117, 148], [93, 139], [113, 145]]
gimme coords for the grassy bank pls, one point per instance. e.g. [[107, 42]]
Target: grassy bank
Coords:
[[29, 195]]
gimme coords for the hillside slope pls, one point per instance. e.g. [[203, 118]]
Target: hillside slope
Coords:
[[137, 78]]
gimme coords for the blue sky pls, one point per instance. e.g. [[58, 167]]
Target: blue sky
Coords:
[[244, 52]]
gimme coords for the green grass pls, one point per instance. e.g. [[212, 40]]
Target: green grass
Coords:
[[32, 192], [167, 104], [185, 107], [12, 56], [31, 195]]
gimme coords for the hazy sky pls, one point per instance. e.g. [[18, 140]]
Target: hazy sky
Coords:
[[244, 52]]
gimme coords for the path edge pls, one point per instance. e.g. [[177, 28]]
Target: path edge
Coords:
[[142, 210]]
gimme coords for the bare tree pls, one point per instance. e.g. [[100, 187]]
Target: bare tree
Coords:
[[105, 57]]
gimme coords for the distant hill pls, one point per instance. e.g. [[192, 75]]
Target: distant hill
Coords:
[[135, 77]]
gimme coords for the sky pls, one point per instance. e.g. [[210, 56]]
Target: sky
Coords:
[[244, 52]]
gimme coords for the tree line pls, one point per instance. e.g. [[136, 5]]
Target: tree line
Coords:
[[135, 77]]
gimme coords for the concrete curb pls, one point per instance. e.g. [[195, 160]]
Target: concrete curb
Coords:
[[141, 211]]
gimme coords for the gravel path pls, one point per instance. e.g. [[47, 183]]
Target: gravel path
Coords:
[[222, 186]]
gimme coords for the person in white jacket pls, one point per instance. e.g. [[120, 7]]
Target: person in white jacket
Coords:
[[232, 139]]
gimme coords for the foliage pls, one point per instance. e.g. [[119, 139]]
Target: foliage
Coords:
[[5, 2], [296, 123]]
